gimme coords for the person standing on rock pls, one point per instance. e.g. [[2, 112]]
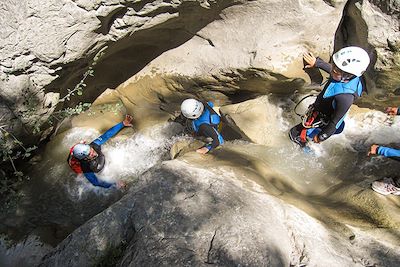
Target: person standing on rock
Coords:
[[387, 186], [204, 121], [88, 158], [326, 116]]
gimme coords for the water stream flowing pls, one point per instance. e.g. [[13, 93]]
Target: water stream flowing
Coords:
[[56, 201]]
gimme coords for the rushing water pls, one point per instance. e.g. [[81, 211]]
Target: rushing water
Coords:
[[56, 201]]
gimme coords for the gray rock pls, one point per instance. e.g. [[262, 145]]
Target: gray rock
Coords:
[[52, 43]]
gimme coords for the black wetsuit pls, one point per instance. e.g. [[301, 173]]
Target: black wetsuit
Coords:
[[332, 109]]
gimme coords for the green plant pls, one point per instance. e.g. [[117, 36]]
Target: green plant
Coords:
[[8, 153], [11, 148], [114, 108], [79, 87], [60, 115]]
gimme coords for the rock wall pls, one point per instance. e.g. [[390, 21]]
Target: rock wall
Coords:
[[374, 25], [46, 47], [208, 212]]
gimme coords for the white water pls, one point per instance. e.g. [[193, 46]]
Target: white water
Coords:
[[342, 157], [126, 156], [57, 200]]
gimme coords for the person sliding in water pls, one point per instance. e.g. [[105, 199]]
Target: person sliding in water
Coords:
[[326, 116], [387, 186], [204, 121], [88, 158]]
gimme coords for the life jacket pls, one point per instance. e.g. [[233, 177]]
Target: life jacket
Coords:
[[73, 162], [354, 87], [209, 116]]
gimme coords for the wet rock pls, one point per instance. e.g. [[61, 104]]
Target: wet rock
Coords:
[[193, 38], [202, 210]]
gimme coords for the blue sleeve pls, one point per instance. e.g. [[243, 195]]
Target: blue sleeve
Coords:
[[389, 152], [96, 182], [108, 134], [211, 104]]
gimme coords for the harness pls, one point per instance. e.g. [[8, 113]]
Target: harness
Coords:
[[315, 119], [73, 162]]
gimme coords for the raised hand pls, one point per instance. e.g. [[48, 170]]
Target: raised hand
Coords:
[[128, 121], [310, 59]]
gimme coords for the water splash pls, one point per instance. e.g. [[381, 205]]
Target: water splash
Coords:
[[126, 156]]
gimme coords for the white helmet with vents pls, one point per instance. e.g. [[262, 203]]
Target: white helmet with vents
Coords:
[[81, 151], [352, 59], [192, 108]]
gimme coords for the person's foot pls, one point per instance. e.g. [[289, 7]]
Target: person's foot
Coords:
[[386, 186], [295, 138]]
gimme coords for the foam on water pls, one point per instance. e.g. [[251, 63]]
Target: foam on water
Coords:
[[126, 156], [341, 157]]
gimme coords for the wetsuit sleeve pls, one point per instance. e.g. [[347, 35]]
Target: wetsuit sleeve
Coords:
[[108, 134], [319, 63], [209, 131], [96, 182], [342, 104], [398, 111], [389, 152]]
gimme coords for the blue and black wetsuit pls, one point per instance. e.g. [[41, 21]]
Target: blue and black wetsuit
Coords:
[[388, 152], [207, 125], [89, 167], [332, 104], [391, 153]]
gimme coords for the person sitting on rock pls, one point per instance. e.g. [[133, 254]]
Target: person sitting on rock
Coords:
[[387, 186], [326, 116], [204, 122], [88, 158]]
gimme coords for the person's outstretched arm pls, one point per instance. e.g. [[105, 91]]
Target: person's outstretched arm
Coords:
[[388, 152], [316, 62], [113, 131], [321, 64], [108, 134], [95, 181], [209, 131], [385, 151]]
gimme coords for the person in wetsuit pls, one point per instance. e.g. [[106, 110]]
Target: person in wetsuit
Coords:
[[88, 158], [204, 122], [387, 186], [332, 104]]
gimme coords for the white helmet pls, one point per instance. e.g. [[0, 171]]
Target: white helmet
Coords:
[[81, 151], [352, 59], [192, 108]]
